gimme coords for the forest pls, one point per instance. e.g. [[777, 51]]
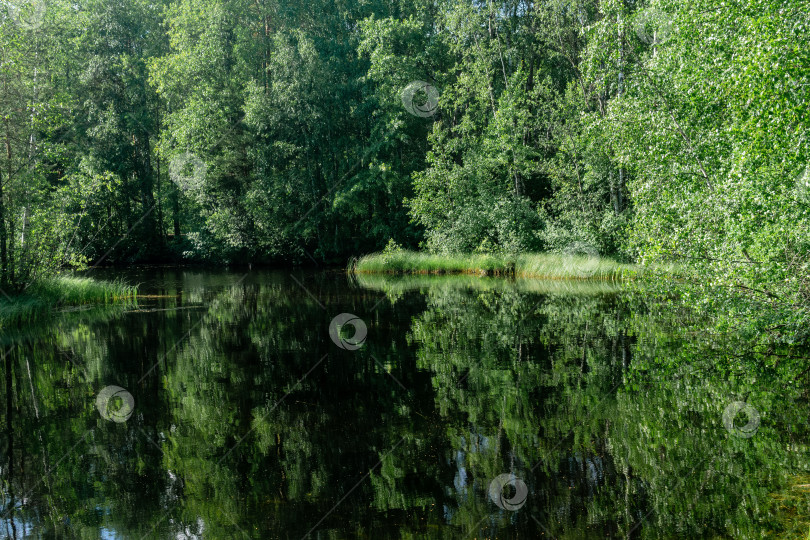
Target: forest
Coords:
[[275, 132], [269, 131]]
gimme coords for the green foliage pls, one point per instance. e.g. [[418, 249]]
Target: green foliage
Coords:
[[713, 127]]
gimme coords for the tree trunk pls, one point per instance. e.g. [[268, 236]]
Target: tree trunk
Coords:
[[4, 278]]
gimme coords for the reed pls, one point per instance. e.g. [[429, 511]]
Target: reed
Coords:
[[530, 265], [42, 298]]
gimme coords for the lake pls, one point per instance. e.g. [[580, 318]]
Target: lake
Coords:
[[273, 404]]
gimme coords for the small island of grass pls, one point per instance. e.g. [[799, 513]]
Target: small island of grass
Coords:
[[530, 265]]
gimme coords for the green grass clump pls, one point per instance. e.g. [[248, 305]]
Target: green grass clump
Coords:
[[47, 295], [530, 265], [68, 290]]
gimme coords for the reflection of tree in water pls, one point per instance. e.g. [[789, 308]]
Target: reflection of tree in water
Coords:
[[698, 477], [514, 373], [305, 444], [605, 410], [650, 458], [63, 462]]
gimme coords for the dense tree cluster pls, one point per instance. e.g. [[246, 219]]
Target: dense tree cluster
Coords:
[[235, 130]]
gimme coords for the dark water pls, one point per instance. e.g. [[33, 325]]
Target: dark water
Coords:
[[473, 409]]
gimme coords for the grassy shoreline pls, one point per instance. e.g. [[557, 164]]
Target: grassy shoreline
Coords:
[[48, 295], [530, 265]]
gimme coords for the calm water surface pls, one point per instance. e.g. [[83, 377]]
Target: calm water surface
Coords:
[[474, 408]]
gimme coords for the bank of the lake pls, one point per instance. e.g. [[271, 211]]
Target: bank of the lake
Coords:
[[47, 295], [529, 265]]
